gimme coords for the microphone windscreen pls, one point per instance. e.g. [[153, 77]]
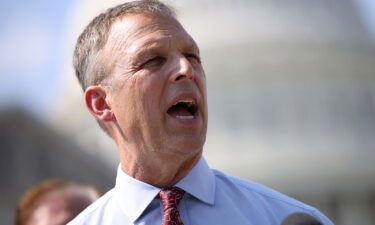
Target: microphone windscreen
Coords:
[[300, 218]]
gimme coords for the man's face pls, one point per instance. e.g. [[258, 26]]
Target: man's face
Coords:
[[158, 86]]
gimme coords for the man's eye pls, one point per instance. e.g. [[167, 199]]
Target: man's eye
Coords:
[[157, 60], [193, 58]]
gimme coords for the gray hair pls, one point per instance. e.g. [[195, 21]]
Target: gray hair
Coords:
[[90, 67]]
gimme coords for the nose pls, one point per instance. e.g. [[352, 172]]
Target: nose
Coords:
[[184, 70]]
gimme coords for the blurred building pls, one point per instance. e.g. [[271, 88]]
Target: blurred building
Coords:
[[32, 151], [291, 97]]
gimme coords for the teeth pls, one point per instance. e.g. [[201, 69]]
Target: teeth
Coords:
[[185, 117], [189, 102]]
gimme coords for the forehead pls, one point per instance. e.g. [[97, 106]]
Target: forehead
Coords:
[[132, 32]]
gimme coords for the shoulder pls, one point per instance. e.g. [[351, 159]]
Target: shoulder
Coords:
[[93, 213], [267, 201], [257, 191]]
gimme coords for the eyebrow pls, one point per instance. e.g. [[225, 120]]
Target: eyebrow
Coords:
[[146, 51], [154, 47], [193, 46]]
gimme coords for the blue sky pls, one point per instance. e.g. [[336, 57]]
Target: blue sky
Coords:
[[31, 40], [367, 8]]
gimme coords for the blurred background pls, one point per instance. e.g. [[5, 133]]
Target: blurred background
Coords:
[[291, 91]]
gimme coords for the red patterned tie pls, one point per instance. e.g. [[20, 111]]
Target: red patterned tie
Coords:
[[171, 197]]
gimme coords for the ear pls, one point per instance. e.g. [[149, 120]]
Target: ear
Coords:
[[96, 102]]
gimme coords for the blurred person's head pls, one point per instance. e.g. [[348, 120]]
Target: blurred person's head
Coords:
[[54, 202]]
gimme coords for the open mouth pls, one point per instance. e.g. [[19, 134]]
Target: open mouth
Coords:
[[183, 109]]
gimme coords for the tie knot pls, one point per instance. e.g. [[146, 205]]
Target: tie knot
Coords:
[[171, 197]]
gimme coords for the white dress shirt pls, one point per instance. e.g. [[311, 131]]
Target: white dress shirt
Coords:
[[211, 198]]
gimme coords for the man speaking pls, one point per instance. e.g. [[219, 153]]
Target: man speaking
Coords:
[[143, 81]]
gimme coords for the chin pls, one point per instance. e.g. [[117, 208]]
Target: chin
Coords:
[[189, 145]]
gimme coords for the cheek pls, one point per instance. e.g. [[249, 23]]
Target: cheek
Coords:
[[146, 95], [154, 89], [124, 102], [201, 78], [141, 97]]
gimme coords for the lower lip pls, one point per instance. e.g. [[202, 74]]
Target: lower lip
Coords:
[[192, 121]]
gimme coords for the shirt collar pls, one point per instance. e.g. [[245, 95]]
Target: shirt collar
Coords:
[[133, 196], [200, 182]]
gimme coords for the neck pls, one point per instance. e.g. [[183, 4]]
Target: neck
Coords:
[[152, 165], [158, 171]]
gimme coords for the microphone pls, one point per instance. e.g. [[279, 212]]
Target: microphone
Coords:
[[300, 218]]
